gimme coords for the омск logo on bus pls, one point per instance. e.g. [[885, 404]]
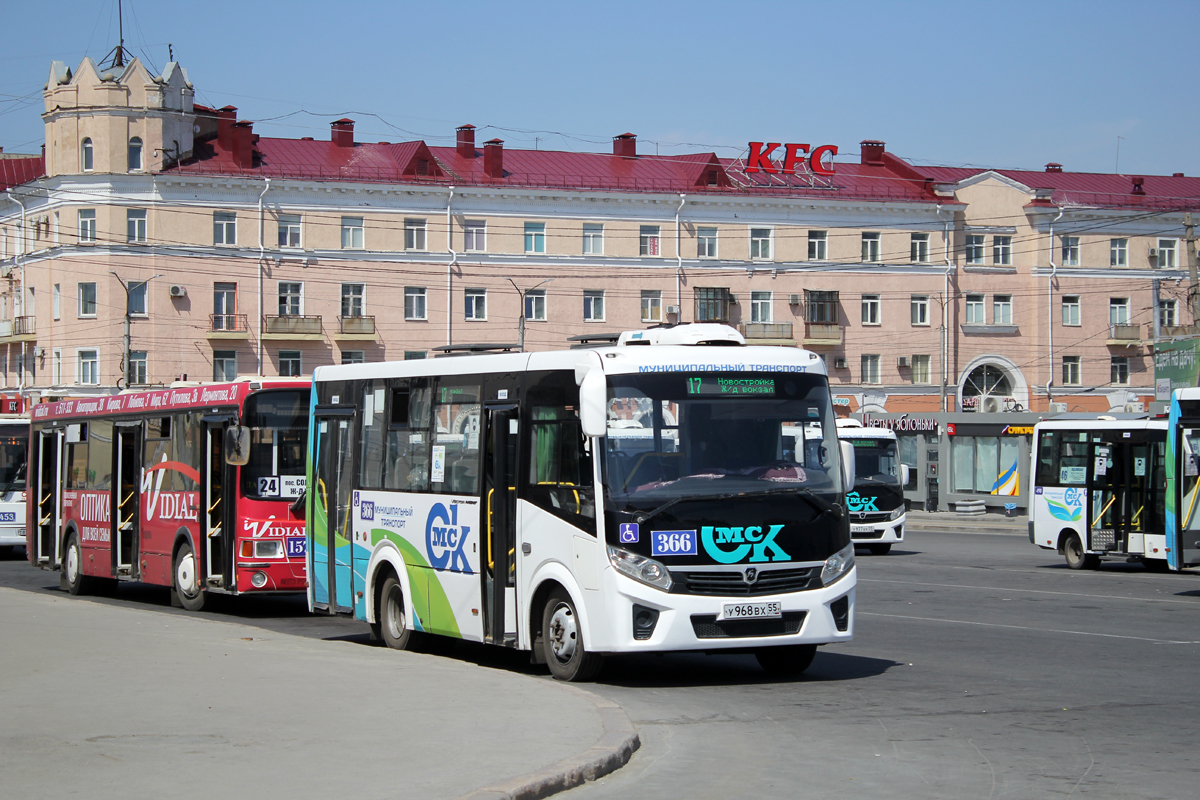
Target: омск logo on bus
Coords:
[[445, 542], [749, 541]]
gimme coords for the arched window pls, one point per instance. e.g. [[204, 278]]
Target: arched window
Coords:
[[986, 389], [135, 154], [85, 155]]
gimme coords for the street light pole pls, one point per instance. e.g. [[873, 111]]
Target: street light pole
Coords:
[[126, 367], [521, 319]]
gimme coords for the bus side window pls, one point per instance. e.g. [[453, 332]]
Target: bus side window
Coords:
[[559, 476], [371, 432], [407, 449], [456, 417], [99, 455], [1047, 466]]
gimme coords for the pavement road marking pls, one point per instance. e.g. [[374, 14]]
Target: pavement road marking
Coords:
[[1021, 627]]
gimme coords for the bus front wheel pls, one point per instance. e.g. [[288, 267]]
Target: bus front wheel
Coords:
[[1076, 557], [393, 618], [791, 659], [562, 641], [880, 549], [187, 579], [77, 582]]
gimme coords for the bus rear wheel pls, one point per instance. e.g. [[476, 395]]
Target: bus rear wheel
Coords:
[[187, 579], [393, 618], [791, 659], [562, 641], [77, 582], [1076, 557]]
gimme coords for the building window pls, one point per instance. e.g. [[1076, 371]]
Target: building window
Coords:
[[289, 363], [415, 355], [289, 230], [1118, 311], [55, 367], [1070, 309], [87, 299], [225, 308], [821, 308], [535, 237], [1002, 309], [870, 309], [920, 369], [975, 309], [475, 304], [593, 239], [760, 307], [919, 309], [414, 234], [85, 155], [1166, 254], [870, 368], [135, 154], [918, 250], [135, 225], [353, 357], [414, 302], [593, 305], [87, 224], [1070, 370], [651, 305], [475, 236], [137, 298], [648, 241], [535, 304], [818, 245], [978, 461], [975, 245], [89, 366], [1070, 251], [1166, 313], [712, 304], [291, 299], [706, 243], [354, 299], [1118, 252], [224, 365], [760, 243], [353, 233], [56, 301], [1119, 371], [1002, 250], [224, 228], [137, 368], [870, 247]]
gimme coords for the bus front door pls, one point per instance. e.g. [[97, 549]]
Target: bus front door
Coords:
[[499, 503], [332, 576], [49, 495], [216, 524], [126, 501], [1187, 516]]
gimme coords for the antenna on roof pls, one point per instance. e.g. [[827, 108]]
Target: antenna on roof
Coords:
[[116, 56]]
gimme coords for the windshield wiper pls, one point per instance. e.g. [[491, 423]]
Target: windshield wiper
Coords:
[[815, 499], [17, 474]]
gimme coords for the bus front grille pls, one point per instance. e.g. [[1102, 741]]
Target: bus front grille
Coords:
[[707, 626], [733, 584]]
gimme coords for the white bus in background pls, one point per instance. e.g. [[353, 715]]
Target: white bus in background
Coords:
[[876, 504], [14, 451], [635, 498]]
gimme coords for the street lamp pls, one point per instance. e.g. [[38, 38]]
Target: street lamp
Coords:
[[521, 320], [126, 367]]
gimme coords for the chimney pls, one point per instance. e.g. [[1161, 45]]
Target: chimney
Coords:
[[1138, 185], [625, 145], [1054, 166], [493, 158], [342, 132], [871, 152], [1176, 174], [243, 144], [225, 118], [466, 141]]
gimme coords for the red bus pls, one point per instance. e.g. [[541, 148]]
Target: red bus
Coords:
[[195, 487]]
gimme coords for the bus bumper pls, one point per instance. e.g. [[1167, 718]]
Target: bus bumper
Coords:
[[11, 535], [881, 533]]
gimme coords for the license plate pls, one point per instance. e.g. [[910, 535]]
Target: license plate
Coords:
[[862, 528], [752, 611], [8, 516], [297, 546]]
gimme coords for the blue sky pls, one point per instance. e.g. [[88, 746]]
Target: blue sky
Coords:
[[1000, 84]]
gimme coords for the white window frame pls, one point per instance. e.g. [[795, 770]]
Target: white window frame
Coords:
[[871, 244], [872, 309], [818, 245], [87, 155], [354, 357], [535, 305], [761, 247], [1168, 313], [706, 242], [921, 369], [80, 292], [138, 370], [593, 305], [135, 154], [761, 307], [1118, 311], [1118, 252], [475, 236], [1071, 311], [974, 310], [475, 305], [135, 225], [973, 252], [652, 309], [650, 240], [1072, 370], [354, 233], [290, 224], [869, 369], [535, 237], [89, 368], [1002, 309], [56, 366], [139, 298], [225, 357], [416, 306], [290, 298], [290, 356], [918, 310], [349, 298], [593, 239], [225, 228], [1070, 251], [56, 301], [918, 248], [1118, 370], [1168, 251], [1002, 250], [87, 225], [416, 235]]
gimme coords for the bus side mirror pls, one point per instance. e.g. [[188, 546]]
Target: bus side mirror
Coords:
[[847, 464], [904, 474], [593, 397], [237, 445]]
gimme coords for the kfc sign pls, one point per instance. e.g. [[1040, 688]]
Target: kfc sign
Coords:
[[794, 155]]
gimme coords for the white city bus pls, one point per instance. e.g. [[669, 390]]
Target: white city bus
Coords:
[[14, 450], [579, 503], [876, 503]]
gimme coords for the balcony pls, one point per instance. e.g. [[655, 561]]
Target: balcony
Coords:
[[228, 326], [988, 329], [1178, 331], [293, 327], [19, 329], [777, 333], [358, 327], [1124, 336], [819, 334]]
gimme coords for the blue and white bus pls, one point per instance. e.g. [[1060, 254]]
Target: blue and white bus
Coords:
[[633, 498]]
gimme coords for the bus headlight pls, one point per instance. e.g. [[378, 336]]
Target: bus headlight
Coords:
[[897, 513], [838, 564], [262, 548], [640, 568], [258, 580]]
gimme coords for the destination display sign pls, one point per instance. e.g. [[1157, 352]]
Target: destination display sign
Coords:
[[717, 385]]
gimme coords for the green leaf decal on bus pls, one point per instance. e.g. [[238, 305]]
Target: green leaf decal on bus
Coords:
[[431, 606]]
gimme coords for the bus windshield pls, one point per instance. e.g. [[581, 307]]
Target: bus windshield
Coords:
[[14, 446], [689, 435], [875, 462], [278, 422]]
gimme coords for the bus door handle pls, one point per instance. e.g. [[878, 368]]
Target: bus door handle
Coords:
[[1104, 510], [215, 532]]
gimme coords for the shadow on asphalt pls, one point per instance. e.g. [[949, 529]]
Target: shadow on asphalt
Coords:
[[861, 551]]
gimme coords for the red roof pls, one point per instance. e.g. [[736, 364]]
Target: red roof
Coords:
[[1103, 190], [15, 170]]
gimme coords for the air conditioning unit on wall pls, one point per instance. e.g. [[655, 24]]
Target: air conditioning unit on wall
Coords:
[[795, 299], [1134, 408], [178, 291], [839, 363], [991, 405], [672, 309], [1058, 408], [902, 362]]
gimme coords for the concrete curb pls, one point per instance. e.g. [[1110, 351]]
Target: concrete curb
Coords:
[[609, 753]]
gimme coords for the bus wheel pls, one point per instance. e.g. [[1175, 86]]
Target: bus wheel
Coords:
[[1076, 558], [789, 659], [562, 641], [393, 619], [77, 582], [187, 579], [880, 549]]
